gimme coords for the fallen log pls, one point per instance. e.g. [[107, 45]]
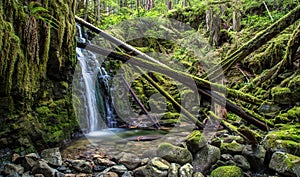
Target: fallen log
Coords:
[[185, 79], [138, 101], [182, 77], [175, 74], [260, 39]]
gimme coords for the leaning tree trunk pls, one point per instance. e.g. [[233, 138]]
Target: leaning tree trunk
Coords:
[[255, 43]]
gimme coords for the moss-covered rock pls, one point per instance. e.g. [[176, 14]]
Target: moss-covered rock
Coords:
[[228, 171], [174, 154], [232, 148], [285, 163], [285, 139], [195, 141], [281, 95]]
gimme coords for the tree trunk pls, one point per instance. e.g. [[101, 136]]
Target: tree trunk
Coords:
[[86, 10], [236, 16]]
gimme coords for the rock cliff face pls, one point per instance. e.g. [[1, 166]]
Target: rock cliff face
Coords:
[[37, 57]]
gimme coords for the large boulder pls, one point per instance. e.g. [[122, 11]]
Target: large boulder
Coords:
[[206, 157], [285, 163], [228, 171], [174, 154], [52, 156], [195, 141], [130, 161]]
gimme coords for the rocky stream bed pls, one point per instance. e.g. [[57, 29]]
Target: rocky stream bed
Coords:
[[168, 155]]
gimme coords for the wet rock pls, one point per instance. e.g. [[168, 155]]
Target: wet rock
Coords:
[[228, 171], [13, 169], [255, 154], [241, 162], [232, 148], [186, 170], [151, 153], [52, 156], [80, 165], [174, 154], [41, 167], [285, 163], [130, 161], [195, 141], [157, 167], [206, 157], [173, 170], [38, 175], [120, 169]]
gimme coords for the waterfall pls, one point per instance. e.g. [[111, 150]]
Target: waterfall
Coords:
[[93, 83]]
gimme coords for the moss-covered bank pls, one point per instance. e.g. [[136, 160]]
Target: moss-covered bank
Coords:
[[36, 63]]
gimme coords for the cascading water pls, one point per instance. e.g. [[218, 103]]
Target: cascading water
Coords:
[[93, 84]]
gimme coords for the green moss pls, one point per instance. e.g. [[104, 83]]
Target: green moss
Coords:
[[232, 147], [227, 171], [286, 139], [281, 95]]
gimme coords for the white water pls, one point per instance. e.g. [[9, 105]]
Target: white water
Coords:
[[91, 74]]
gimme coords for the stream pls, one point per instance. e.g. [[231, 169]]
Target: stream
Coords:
[[113, 141]]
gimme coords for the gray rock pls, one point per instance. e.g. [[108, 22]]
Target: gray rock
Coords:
[[130, 161], [27, 174], [13, 169], [173, 170], [151, 153], [242, 162], [52, 156], [174, 154], [226, 157], [120, 169], [255, 154], [111, 174], [198, 174], [28, 161], [186, 170], [195, 141], [285, 163], [205, 158], [127, 174], [157, 167], [41, 167], [104, 162], [80, 165]]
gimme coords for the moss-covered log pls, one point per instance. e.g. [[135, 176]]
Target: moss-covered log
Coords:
[[260, 39]]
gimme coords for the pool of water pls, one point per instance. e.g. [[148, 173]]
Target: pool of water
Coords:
[[113, 141]]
